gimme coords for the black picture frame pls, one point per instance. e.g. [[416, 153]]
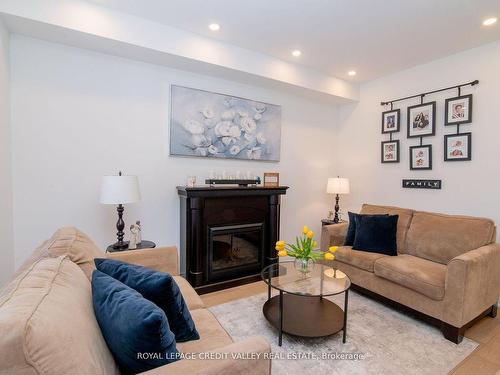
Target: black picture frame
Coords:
[[410, 125], [382, 152], [459, 121], [417, 168], [397, 112], [466, 157]]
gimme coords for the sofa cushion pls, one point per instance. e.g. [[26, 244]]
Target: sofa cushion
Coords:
[[404, 220], [351, 230], [193, 300], [360, 259], [441, 238], [132, 326], [66, 241], [420, 275], [48, 326], [158, 287], [376, 234], [212, 335]]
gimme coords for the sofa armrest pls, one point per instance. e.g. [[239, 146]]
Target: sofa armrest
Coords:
[[472, 284], [333, 235], [253, 359], [163, 259]]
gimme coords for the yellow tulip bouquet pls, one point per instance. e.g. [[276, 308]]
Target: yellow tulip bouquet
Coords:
[[304, 248]]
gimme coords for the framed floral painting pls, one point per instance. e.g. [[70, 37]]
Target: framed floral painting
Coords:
[[208, 124]]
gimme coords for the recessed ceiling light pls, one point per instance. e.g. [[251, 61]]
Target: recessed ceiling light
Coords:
[[351, 73], [296, 53], [490, 21], [214, 26]]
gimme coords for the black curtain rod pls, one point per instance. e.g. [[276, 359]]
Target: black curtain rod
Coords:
[[473, 83]]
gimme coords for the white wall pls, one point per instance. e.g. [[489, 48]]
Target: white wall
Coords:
[[6, 233], [77, 115], [470, 187]]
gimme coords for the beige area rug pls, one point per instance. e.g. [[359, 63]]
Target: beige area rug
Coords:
[[388, 341]]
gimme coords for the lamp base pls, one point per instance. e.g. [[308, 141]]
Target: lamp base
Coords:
[[120, 245], [336, 217]]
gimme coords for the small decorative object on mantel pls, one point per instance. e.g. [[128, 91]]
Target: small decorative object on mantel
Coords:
[[304, 251], [421, 157], [422, 120], [457, 147], [390, 151], [271, 179], [120, 190], [422, 184], [337, 186], [243, 182], [191, 181]]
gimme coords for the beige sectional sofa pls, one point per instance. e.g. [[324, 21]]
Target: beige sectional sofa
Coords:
[[47, 323], [447, 268]]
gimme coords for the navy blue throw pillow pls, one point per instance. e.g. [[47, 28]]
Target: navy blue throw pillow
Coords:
[[135, 329], [376, 234], [158, 287], [351, 230]]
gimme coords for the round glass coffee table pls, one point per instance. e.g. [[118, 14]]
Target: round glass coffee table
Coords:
[[300, 309]]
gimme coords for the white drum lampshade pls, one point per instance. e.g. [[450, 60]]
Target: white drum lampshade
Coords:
[[337, 185], [120, 190]]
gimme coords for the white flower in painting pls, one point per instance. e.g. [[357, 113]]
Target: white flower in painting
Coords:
[[254, 153], [199, 140], [249, 137], [257, 116], [260, 107], [194, 127], [248, 125], [261, 139], [234, 150], [212, 150], [223, 129], [234, 131], [228, 140], [208, 112], [209, 123], [201, 151], [227, 115], [242, 112]]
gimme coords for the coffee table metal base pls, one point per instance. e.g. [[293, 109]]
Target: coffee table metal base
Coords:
[[305, 316]]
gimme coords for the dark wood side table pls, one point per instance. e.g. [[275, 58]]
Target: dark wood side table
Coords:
[[330, 222], [143, 245]]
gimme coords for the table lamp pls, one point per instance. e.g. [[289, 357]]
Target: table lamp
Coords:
[[120, 190], [337, 185]]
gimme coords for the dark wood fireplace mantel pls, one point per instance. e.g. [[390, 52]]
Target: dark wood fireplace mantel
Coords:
[[228, 234]]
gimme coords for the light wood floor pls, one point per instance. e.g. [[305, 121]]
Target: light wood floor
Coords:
[[485, 360]]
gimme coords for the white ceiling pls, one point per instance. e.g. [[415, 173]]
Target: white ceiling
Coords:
[[373, 37]]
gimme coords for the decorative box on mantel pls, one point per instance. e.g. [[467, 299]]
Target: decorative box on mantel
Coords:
[[228, 234]]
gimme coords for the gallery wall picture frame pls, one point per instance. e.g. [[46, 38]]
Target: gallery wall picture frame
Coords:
[[458, 147], [389, 152], [421, 120], [421, 157], [458, 110], [391, 121]]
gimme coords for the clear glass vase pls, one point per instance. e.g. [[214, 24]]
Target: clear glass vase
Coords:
[[303, 265]]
